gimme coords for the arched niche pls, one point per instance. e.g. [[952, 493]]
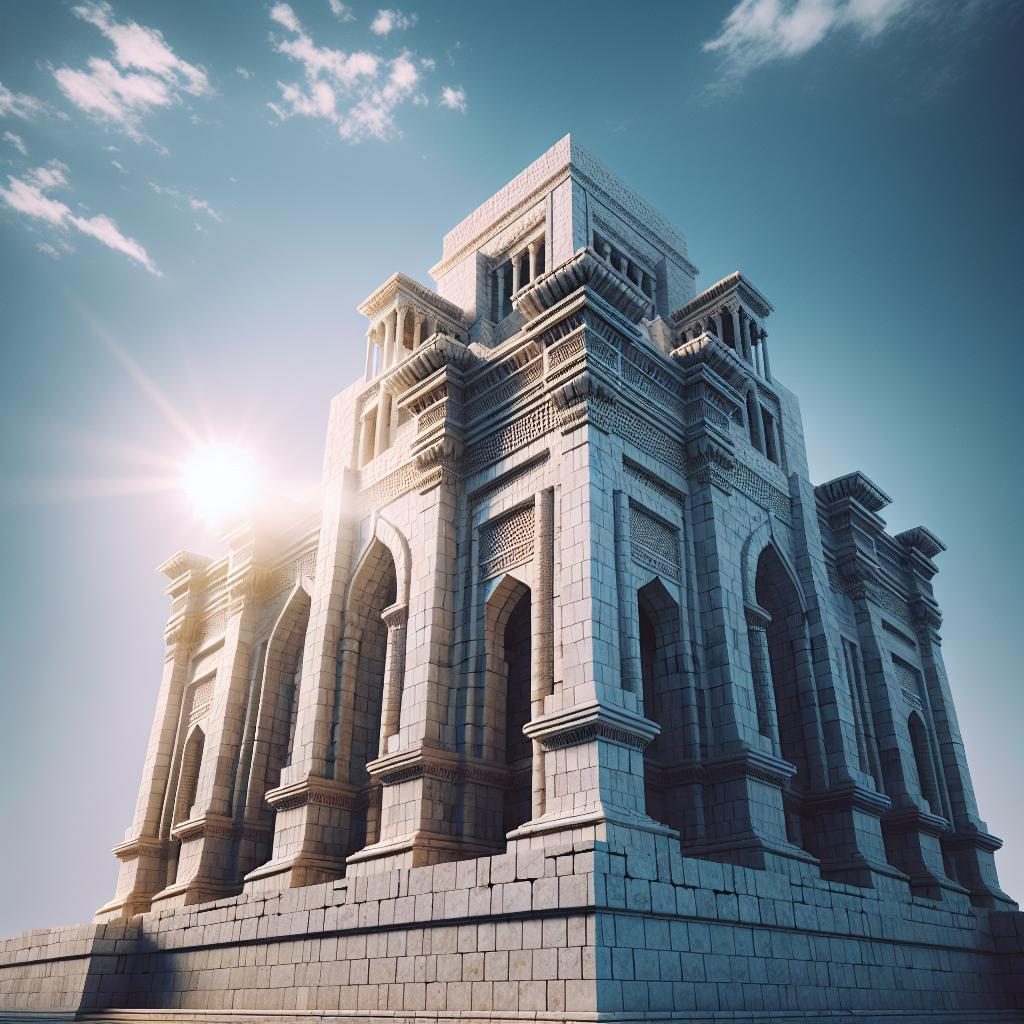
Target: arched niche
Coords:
[[507, 697]]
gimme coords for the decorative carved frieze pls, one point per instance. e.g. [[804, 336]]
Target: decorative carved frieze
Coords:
[[506, 541], [584, 723], [654, 543]]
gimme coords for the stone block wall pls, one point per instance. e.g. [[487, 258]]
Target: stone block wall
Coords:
[[562, 927]]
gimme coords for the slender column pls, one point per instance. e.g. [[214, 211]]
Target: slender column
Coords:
[[515, 273], [389, 343], [745, 336], [629, 636], [396, 619], [417, 337], [764, 356], [606, 252], [756, 421], [542, 667], [533, 260], [400, 334], [368, 374], [761, 668], [380, 443], [736, 330]]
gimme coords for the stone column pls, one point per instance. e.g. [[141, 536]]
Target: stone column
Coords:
[[399, 334], [761, 669], [736, 341], [502, 281], [395, 618], [533, 260], [370, 346], [756, 421], [389, 341], [143, 853], [764, 356], [542, 608], [417, 339], [515, 273], [745, 337], [380, 443], [629, 623], [205, 859]]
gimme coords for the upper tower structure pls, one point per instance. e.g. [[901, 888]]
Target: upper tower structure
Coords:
[[570, 634]]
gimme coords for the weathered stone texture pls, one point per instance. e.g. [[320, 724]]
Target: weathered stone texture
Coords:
[[572, 698]]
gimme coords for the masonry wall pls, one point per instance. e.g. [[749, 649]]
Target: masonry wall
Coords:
[[565, 930]]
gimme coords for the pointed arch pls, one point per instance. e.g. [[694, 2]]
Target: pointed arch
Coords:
[[753, 548], [393, 539], [278, 700]]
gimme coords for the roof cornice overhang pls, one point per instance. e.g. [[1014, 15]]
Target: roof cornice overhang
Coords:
[[390, 291], [735, 284]]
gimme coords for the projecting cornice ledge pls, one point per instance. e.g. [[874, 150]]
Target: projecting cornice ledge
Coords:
[[853, 485], [583, 269], [709, 351], [437, 351], [582, 723]]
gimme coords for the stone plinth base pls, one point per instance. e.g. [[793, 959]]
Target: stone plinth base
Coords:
[[561, 928]]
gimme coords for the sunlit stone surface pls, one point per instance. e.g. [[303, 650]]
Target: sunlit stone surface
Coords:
[[572, 696]]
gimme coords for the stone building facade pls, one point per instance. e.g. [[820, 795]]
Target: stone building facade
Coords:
[[573, 698]]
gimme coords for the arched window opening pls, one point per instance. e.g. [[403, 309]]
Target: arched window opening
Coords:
[[518, 747], [794, 715], [923, 763], [662, 685], [188, 780], [506, 709], [374, 589]]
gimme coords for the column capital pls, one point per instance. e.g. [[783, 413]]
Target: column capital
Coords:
[[395, 615]]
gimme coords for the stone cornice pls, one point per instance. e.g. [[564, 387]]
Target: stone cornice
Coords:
[[437, 351], [854, 485], [315, 790], [388, 292], [583, 723], [921, 539], [583, 269], [182, 562], [712, 352], [713, 297]]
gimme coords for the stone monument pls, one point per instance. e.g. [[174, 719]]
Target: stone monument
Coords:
[[572, 698]]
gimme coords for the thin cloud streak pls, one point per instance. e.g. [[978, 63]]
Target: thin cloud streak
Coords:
[[759, 32], [28, 196]]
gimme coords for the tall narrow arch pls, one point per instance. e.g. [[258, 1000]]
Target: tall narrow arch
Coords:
[[660, 658], [375, 587], [188, 778], [274, 738], [507, 695]]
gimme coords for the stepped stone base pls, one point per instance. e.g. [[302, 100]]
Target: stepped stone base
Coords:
[[599, 924]]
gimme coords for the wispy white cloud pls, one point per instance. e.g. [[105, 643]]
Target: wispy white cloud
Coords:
[[148, 74], [453, 98], [758, 32], [356, 92], [28, 195], [388, 21], [243, 73], [17, 142], [341, 11], [19, 104], [118, 166], [193, 202]]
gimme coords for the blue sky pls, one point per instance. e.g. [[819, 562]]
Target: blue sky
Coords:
[[195, 197]]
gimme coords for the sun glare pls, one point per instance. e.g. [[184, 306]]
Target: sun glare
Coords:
[[221, 481]]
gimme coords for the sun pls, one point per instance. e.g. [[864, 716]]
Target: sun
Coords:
[[221, 481]]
